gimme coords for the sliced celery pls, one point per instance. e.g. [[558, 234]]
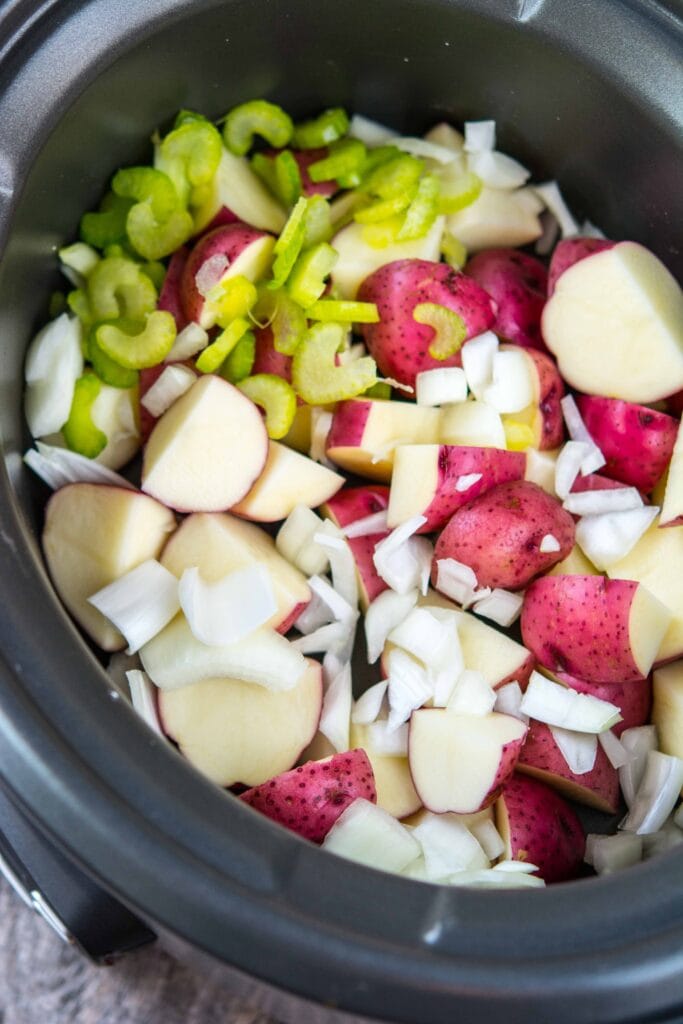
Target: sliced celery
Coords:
[[289, 244], [331, 125], [79, 304], [315, 376], [155, 271], [187, 117], [147, 185], [343, 311], [395, 177], [264, 166], [57, 305], [453, 251], [79, 431], [257, 117], [385, 233], [288, 324], [307, 280], [213, 355], [318, 221], [449, 327], [117, 288], [240, 361], [456, 195], [276, 397], [190, 155], [107, 369], [376, 157], [379, 390], [157, 224], [135, 348], [385, 208], [108, 225], [422, 211], [232, 298], [345, 158], [287, 178], [518, 436]]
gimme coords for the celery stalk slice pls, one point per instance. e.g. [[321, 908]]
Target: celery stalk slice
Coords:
[[315, 376], [317, 222], [330, 126], [240, 361], [343, 311], [256, 117], [215, 354], [190, 155], [289, 244], [232, 298], [79, 431], [346, 157], [287, 178], [107, 369], [137, 349], [276, 397], [117, 288], [456, 195], [307, 280], [288, 325], [107, 225], [376, 212], [453, 251], [422, 211], [449, 327], [395, 177]]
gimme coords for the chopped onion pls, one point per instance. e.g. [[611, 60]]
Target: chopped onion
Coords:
[[295, 542], [59, 466], [597, 503], [551, 229], [118, 665], [657, 794], [668, 837], [463, 483], [558, 705], [578, 431], [501, 606], [480, 136], [512, 388], [340, 608], [497, 877], [228, 610], [423, 148], [455, 579], [548, 544], [477, 595], [422, 634], [370, 133], [516, 867], [408, 687], [540, 469], [342, 562], [191, 340], [472, 695], [328, 638], [498, 170], [211, 272], [336, 713], [54, 363], [402, 560], [638, 742], [369, 704], [579, 749], [589, 230], [173, 382], [616, 752], [332, 666], [605, 539], [478, 356], [445, 674], [368, 525], [568, 466], [552, 197], [488, 837], [509, 701], [383, 614], [448, 846], [441, 386], [388, 742], [317, 613], [143, 697], [612, 853], [140, 603], [321, 422], [446, 135], [369, 835]]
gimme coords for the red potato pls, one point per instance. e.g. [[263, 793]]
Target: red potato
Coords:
[[595, 482], [570, 251], [393, 782], [170, 298], [634, 699], [542, 759], [245, 250], [544, 415], [593, 628], [499, 535], [539, 827], [636, 441], [287, 479], [268, 359], [517, 283], [236, 732], [309, 799], [425, 479], [344, 508], [400, 344]]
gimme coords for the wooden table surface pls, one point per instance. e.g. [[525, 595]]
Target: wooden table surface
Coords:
[[44, 981]]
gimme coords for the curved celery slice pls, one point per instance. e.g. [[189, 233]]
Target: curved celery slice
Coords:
[[107, 226], [240, 361], [135, 348], [232, 298], [289, 244], [345, 158], [190, 155], [322, 131], [377, 212], [155, 271], [453, 251], [107, 369], [156, 224], [385, 233], [422, 211], [379, 390], [79, 304], [185, 116], [307, 280], [449, 327], [316, 377], [317, 222], [79, 431], [276, 397], [147, 185], [257, 117], [456, 195], [117, 288], [288, 325], [287, 178], [215, 354], [343, 311], [395, 177], [376, 157]]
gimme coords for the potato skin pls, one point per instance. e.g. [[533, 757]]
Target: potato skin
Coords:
[[568, 252], [499, 535], [517, 283]]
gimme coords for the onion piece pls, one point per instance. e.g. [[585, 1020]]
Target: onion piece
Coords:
[[550, 193], [143, 697], [638, 742], [497, 170], [579, 749], [501, 606], [321, 422], [388, 742], [568, 466], [340, 608], [191, 340], [480, 136], [558, 705], [317, 613], [173, 382], [578, 431], [408, 687], [59, 466], [488, 837], [616, 752], [455, 579], [497, 877], [335, 718], [463, 483], [441, 386], [598, 503], [516, 867], [448, 846], [54, 363], [384, 614], [657, 794], [445, 674], [140, 603], [402, 560], [613, 853], [668, 837], [211, 272], [295, 542], [472, 694], [229, 609], [342, 562], [549, 544], [370, 133], [421, 634], [365, 527], [605, 539], [422, 148], [331, 637], [369, 704], [509, 701], [369, 835], [478, 356]]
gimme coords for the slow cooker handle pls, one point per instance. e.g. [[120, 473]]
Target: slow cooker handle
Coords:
[[77, 909]]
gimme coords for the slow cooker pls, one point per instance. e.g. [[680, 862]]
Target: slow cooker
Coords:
[[118, 840]]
